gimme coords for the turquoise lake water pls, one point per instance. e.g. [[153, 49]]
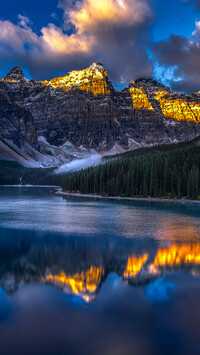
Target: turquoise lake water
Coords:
[[81, 276]]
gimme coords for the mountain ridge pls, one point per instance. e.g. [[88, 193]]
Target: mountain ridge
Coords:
[[84, 110]]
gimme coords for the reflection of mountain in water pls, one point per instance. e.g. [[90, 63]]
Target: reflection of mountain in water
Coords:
[[80, 265], [84, 284]]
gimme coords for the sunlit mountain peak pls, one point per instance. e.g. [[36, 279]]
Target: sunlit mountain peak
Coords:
[[92, 79]]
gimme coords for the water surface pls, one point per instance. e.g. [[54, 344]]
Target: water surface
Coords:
[[82, 276]]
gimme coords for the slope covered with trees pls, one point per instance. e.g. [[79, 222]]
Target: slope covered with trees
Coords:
[[163, 171], [12, 173]]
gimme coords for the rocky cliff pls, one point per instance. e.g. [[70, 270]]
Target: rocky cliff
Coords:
[[81, 112]]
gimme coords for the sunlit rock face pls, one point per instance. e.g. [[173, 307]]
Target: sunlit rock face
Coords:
[[140, 99], [179, 108], [83, 109], [148, 94], [93, 79]]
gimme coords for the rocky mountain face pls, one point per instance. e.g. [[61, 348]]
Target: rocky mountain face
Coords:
[[82, 113]]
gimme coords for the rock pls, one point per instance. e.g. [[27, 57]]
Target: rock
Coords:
[[15, 74], [83, 108]]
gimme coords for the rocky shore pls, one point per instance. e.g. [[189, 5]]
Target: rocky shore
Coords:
[[118, 198]]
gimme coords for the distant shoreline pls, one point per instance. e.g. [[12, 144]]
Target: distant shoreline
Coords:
[[45, 186], [151, 199], [100, 197]]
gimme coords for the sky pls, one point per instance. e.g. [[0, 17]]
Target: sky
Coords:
[[132, 38]]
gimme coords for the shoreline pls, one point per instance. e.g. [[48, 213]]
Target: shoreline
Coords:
[[116, 198], [45, 186]]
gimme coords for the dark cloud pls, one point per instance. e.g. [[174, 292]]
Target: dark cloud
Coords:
[[182, 54], [115, 32]]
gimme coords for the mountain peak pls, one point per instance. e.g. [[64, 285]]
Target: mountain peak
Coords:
[[151, 83], [97, 66], [15, 74], [92, 79]]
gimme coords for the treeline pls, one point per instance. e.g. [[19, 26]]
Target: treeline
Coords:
[[12, 173], [166, 171]]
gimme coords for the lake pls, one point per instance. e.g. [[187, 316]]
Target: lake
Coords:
[[83, 276]]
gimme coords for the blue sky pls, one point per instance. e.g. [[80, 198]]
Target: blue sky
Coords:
[[125, 47], [173, 17], [40, 12]]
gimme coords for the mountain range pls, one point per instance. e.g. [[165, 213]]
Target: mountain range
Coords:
[[50, 123]]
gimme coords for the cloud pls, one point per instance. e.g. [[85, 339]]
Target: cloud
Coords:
[[115, 32], [89, 15], [79, 164], [182, 55], [24, 21]]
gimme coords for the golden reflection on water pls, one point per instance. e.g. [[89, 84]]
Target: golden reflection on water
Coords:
[[87, 283], [165, 259], [176, 255], [134, 265], [84, 284]]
